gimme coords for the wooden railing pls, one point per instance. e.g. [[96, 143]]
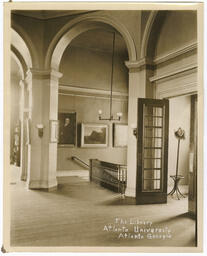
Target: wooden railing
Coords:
[[77, 159], [109, 175]]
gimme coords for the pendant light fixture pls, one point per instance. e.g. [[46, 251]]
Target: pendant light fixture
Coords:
[[119, 114]]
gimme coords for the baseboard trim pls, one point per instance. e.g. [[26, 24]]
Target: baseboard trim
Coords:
[[130, 192], [49, 189], [65, 173]]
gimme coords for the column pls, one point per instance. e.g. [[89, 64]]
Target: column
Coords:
[[27, 110], [139, 87], [44, 110], [22, 144]]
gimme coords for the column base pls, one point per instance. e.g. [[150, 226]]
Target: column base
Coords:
[[130, 192], [43, 185], [24, 178]]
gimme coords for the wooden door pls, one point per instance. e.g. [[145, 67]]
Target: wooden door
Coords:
[[152, 151], [192, 195]]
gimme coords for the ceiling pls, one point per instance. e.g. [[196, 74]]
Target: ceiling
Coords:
[[47, 14]]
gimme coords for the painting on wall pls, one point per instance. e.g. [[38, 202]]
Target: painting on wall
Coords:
[[94, 135], [120, 135], [67, 129]]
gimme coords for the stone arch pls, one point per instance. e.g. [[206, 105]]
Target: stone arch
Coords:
[[78, 26], [15, 54], [21, 53], [147, 33], [151, 33], [21, 41]]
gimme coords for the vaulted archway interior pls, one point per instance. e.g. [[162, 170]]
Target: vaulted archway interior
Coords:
[[15, 96], [85, 88], [20, 102], [19, 44]]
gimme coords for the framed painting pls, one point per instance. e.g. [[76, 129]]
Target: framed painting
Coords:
[[94, 135], [120, 135], [67, 129]]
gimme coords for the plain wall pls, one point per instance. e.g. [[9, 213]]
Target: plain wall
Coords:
[[88, 65], [88, 68], [86, 109], [179, 29], [179, 116]]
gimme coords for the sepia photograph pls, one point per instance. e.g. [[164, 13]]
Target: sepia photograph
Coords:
[[126, 81]]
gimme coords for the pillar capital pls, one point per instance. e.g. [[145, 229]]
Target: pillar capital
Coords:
[[45, 73], [135, 66]]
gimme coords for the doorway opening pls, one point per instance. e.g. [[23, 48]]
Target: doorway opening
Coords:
[[84, 89]]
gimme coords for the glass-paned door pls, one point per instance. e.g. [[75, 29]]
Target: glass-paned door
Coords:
[[152, 145]]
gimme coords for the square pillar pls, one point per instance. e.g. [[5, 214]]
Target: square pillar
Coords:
[[26, 115], [22, 144], [44, 109], [139, 73]]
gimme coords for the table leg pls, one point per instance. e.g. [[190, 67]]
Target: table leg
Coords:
[[176, 188], [180, 192]]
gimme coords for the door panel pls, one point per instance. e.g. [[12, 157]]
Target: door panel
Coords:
[[153, 122], [192, 198]]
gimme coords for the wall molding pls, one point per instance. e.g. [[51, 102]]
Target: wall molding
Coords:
[[90, 92], [93, 97], [173, 91], [130, 192], [137, 65], [134, 66], [66, 173], [175, 53], [175, 73], [45, 74]]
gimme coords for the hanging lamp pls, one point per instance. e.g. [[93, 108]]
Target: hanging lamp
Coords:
[[119, 114]]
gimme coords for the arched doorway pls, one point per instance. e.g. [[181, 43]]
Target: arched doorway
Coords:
[[80, 25], [20, 112], [86, 67]]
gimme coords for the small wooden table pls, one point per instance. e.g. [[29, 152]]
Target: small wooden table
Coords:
[[176, 179]]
